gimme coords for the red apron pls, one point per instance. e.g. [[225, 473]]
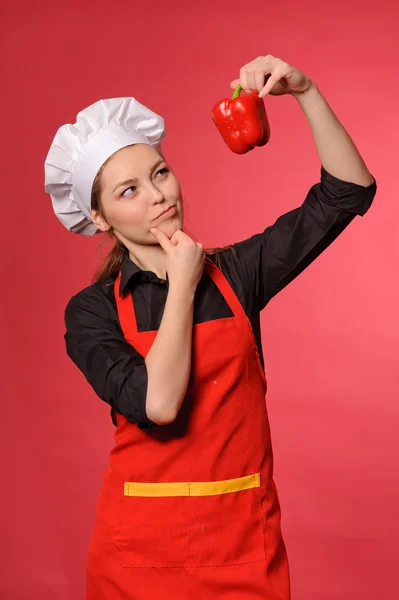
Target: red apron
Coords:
[[189, 511]]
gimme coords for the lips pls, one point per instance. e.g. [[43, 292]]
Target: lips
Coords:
[[166, 212]]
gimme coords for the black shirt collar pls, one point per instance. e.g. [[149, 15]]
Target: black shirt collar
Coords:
[[130, 270]]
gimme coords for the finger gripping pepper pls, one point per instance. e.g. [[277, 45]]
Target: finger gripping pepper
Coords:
[[242, 121]]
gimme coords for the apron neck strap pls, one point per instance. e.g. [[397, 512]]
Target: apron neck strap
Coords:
[[221, 282]]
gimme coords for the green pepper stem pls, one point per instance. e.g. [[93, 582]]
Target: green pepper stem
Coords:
[[236, 92]]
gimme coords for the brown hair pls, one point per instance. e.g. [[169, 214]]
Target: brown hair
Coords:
[[118, 254]]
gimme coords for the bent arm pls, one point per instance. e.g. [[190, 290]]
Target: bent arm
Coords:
[[169, 359], [145, 390]]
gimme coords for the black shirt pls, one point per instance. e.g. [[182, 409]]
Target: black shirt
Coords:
[[257, 269]]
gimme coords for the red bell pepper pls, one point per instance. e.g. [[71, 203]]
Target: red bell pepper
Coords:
[[242, 121]]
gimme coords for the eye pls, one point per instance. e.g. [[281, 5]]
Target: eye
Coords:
[[163, 171], [132, 187]]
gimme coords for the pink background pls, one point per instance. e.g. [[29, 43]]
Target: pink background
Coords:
[[330, 338]]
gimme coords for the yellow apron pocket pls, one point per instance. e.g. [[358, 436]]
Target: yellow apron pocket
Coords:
[[187, 524]]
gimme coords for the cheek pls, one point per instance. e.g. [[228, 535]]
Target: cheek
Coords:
[[172, 188], [127, 213], [181, 211]]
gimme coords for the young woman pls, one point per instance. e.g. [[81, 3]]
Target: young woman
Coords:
[[169, 336]]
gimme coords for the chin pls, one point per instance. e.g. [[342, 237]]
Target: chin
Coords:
[[170, 227]]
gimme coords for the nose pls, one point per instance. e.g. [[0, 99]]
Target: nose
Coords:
[[156, 195]]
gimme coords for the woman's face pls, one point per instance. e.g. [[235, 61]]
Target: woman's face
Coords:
[[137, 187]]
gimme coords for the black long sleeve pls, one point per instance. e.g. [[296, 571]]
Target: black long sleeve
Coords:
[[283, 250], [95, 343]]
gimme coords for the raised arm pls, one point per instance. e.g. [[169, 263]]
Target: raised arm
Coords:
[[278, 254], [338, 154]]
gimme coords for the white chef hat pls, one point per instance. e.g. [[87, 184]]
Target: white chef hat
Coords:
[[79, 150]]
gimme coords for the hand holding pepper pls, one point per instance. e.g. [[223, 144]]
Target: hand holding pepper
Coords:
[[281, 78], [242, 121]]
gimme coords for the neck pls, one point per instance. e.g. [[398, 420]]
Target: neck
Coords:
[[148, 258]]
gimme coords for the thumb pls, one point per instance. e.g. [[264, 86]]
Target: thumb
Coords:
[[173, 240], [177, 237], [234, 83], [161, 238]]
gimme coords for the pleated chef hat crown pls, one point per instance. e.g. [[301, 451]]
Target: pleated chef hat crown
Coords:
[[79, 150]]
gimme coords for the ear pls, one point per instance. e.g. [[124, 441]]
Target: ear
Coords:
[[99, 220]]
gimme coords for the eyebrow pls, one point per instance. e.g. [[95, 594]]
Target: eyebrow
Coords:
[[135, 179]]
